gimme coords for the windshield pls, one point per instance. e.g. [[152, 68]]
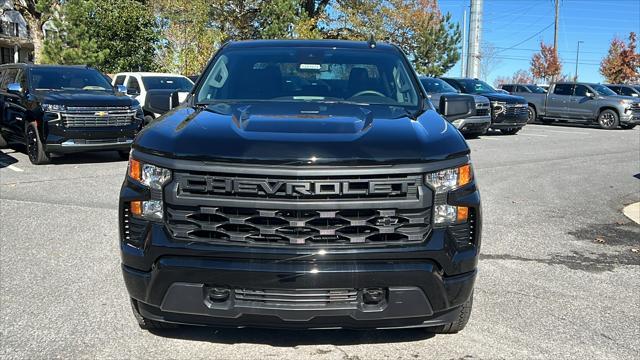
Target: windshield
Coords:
[[437, 86], [167, 82], [603, 90], [472, 86], [536, 89], [68, 79], [364, 77]]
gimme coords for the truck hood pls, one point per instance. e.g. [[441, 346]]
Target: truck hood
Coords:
[[509, 99], [435, 98], [301, 135], [85, 98]]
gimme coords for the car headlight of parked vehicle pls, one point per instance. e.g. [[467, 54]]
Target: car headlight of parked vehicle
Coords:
[[444, 181], [53, 107], [154, 178], [139, 113]]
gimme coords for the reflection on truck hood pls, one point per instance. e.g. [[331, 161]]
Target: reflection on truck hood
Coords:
[[509, 99], [85, 98], [310, 134]]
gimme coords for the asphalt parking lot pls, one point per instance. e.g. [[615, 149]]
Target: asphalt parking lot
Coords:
[[559, 270]]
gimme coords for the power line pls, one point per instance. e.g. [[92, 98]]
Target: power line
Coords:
[[527, 39]]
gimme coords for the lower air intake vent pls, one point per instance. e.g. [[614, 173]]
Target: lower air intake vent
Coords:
[[133, 230]]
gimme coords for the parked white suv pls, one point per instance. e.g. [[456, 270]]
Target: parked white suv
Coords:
[[142, 86]]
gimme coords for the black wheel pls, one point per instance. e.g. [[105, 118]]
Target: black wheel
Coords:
[[35, 148], [147, 120], [608, 119], [510, 131], [124, 154], [148, 324], [460, 323], [472, 135], [628, 126], [3, 142], [532, 115]]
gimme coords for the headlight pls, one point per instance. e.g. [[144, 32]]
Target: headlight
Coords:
[[151, 176], [148, 175], [138, 109], [446, 180], [53, 107], [449, 179]]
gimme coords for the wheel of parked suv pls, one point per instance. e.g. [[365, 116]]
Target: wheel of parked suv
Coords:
[[626, 127], [532, 115], [608, 119], [460, 323], [149, 324], [3, 142], [510, 131], [124, 154], [35, 148]]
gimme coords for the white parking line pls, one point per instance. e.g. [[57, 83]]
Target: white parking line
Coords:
[[11, 167]]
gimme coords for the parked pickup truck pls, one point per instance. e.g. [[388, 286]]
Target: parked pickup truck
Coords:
[[625, 89], [153, 90], [585, 103]]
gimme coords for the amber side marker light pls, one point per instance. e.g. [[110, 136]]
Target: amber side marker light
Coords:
[[464, 175], [135, 169], [136, 208], [463, 214]]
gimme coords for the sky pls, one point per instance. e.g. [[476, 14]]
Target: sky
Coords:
[[508, 23]]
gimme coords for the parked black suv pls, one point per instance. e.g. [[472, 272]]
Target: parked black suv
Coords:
[[63, 109], [508, 113], [303, 184]]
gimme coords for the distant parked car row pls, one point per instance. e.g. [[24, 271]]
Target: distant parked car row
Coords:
[[609, 106], [494, 109]]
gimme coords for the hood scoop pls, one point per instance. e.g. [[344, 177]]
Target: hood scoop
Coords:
[[305, 121]]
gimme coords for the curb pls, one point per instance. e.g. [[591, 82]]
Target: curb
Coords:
[[632, 211]]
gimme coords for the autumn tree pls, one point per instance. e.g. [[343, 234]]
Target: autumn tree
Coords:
[[519, 77], [622, 63], [545, 64]]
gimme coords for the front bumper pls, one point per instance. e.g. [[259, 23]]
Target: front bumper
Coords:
[[473, 124], [176, 290], [59, 139], [630, 117]]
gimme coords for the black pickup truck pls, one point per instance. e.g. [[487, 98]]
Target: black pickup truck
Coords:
[[64, 109], [303, 184]]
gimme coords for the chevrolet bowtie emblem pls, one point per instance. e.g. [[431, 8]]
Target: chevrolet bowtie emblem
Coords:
[[101, 113]]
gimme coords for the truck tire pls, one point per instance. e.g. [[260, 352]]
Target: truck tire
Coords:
[[35, 148], [3, 142], [608, 119], [123, 154], [460, 323], [532, 115], [148, 324], [510, 131]]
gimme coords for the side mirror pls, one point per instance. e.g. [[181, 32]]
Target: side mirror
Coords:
[[454, 106], [174, 100], [121, 89], [590, 94], [14, 88]]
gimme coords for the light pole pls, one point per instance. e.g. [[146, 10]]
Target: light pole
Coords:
[[575, 77]]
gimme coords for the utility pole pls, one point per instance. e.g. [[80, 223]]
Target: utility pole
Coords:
[[463, 64], [575, 77], [475, 32], [555, 35]]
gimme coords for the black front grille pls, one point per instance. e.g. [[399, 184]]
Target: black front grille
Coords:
[[78, 117], [510, 113], [298, 227], [299, 298]]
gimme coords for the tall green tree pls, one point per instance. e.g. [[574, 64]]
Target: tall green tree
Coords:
[[112, 35], [71, 41], [436, 48]]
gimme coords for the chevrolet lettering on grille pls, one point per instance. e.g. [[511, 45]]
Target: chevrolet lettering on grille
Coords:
[[229, 186]]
